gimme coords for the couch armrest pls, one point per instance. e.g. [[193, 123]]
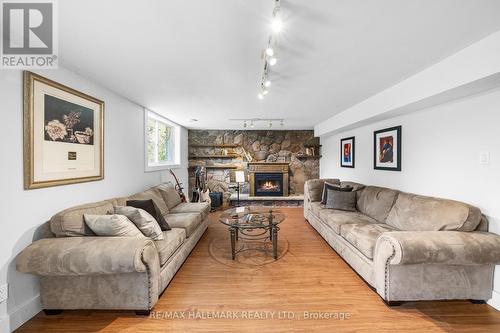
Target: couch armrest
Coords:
[[87, 256], [438, 247]]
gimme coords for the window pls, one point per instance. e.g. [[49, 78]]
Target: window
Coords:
[[162, 138]]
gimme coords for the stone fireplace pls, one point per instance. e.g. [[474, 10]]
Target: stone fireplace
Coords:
[[268, 179]]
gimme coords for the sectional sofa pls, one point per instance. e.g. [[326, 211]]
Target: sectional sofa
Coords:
[[409, 247], [79, 270]]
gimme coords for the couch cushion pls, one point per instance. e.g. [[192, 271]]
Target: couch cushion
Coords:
[[192, 207], [70, 222], [171, 241], [169, 194], [376, 202], [316, 207], [336, 218], [187, 221], [355, 186], [364, 236], [418, 213], [155, 195]]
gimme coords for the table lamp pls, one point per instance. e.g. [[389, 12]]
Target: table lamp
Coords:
[[239, 176]]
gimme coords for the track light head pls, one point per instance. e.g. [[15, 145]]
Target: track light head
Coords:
[[260, 96], [269, 52], [273, 61], [277, 25], [267, 83]]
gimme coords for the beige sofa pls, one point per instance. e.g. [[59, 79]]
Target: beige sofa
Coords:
[[79, 270], [409, 247]]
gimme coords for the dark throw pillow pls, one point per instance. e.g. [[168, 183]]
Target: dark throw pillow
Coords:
[[341, 200], [150, 207], [329, 186]]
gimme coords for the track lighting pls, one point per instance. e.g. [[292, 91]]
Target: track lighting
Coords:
[[254, 122], [269, 54]]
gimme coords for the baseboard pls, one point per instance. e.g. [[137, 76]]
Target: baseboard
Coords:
[[495, 300], [21, 315]]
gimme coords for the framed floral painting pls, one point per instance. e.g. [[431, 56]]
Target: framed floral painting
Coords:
[[63, 134], [347, 152], [387, 149]]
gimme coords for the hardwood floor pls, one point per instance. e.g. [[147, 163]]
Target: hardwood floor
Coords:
[[311, 277]]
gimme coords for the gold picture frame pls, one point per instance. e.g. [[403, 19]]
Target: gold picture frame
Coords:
[[63, 134]]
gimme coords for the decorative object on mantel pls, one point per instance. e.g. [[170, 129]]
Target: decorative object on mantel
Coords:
[[387, 149], [63, 134]]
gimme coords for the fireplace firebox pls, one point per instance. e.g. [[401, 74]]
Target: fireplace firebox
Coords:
[[268, 184], [268, 179]]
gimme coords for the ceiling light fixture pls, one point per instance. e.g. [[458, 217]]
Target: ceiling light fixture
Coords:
[[277, 25], [269, 53], [254, 122]]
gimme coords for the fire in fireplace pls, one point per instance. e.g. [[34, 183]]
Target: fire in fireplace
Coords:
[[269, 184]]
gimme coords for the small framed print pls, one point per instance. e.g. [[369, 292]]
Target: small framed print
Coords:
[[347, 152], [63, 134], [387, 149]]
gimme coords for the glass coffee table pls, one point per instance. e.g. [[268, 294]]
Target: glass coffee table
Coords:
[[253, 223]]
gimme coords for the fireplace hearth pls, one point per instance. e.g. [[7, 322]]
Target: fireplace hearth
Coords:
[[268, 179]]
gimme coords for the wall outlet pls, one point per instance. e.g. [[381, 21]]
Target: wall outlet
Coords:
[[484, 158], [4, 293]]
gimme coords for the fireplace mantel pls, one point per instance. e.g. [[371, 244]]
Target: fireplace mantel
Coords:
[[265, 167]]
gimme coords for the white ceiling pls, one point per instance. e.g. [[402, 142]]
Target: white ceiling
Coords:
[[201, 58]]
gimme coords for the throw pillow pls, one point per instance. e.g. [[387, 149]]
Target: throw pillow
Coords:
[[112, 225], [341, 200], [329, 186], [169, 194], [146, 223], [150, 207]]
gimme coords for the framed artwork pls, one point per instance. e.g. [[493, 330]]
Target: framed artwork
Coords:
[[63, 134], [387, 149], [347, 152]]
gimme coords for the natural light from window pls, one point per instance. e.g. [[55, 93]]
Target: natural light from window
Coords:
[[162, 139]]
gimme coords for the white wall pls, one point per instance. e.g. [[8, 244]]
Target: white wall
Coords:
[[440, 156], [23, 211]]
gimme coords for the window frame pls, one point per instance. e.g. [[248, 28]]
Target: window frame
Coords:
[[174, 143]]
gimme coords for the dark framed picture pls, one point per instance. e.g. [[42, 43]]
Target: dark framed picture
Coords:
[[387, 149], [63, 134], [347, 146]]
